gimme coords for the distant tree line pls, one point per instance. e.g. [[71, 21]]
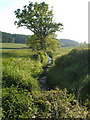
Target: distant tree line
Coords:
[[18, 38], [13, 38]]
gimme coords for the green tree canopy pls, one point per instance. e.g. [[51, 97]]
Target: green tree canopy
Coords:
[[52, 43], [33, 42], [38, 18]]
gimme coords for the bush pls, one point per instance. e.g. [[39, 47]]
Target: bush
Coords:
[[71, 71], [21, 73], [14, 103], [40, 56], [49, 104]]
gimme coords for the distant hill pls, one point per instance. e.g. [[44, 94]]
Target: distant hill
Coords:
[[18, 38], [68, 43], [13, 38]]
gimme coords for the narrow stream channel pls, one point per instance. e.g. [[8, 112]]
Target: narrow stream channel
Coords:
[[44, 78]]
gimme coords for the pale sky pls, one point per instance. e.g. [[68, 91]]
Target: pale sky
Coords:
[[72, 13]]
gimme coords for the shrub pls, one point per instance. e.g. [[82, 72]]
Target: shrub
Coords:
[[20, 74], [71, 71], [50, 104], [40, 56]]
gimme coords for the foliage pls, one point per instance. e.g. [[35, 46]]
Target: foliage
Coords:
[[13, 38], [22, 96], [39, 19], [14, 103], [41, 56], [51, 104], [71, 71], [33, 42], [22, 73], [52, 43]]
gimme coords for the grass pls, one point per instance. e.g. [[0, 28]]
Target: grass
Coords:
[[65, 50], [71, 71], [12, 45], [15, 50]]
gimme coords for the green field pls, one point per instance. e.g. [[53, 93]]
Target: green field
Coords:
[[12, 45], [63, 50], [16, 49]]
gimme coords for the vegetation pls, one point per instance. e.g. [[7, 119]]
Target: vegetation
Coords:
[[50, 104], [17, 38], [68, 43], [71, 71], [21, 87], [13, 38], [52, 43], [39, 19], [25, 71]]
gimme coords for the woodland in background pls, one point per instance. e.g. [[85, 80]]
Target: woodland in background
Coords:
[[18, 38]]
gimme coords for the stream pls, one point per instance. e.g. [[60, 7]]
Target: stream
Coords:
[[44, 78]]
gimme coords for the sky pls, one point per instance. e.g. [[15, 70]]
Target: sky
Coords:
[[72, 13]]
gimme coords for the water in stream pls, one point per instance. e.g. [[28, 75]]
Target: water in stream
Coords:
[[44, 78]]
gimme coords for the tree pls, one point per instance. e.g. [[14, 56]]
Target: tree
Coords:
[[38, 19], [33, 42], [52, 43]]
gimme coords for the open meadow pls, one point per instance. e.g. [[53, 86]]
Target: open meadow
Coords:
[[19, 50]]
